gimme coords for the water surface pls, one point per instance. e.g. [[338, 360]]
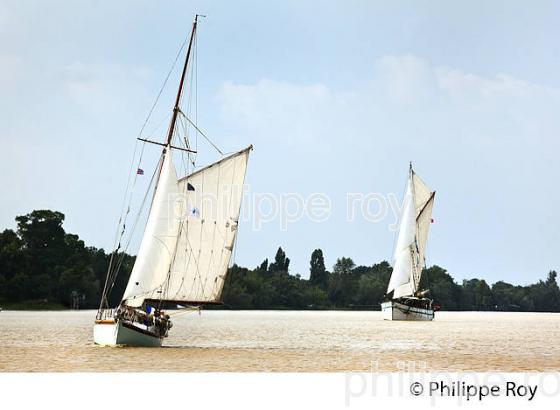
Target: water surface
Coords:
[[290, 341]]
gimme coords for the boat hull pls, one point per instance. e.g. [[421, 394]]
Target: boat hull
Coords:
[[111, 333], [393, 310]]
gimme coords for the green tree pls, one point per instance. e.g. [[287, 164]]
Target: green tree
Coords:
[[318, 275], [342, 285], [477, 295], [12, 264], [371, 290], [343, 266], [281, 262], [443, 289]]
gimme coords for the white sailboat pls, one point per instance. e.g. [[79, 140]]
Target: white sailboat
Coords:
[[405, 299], [186, 247]]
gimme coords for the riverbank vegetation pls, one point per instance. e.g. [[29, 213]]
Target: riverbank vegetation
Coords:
[[42, 266]]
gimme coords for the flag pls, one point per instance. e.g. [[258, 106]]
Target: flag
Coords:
[[139, 171], [189, 187]]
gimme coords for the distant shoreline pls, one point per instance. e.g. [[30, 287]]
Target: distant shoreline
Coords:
[[54, 307], [42, 267], [33, 306]]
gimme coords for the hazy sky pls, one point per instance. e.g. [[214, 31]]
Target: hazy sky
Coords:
[[337, 97]]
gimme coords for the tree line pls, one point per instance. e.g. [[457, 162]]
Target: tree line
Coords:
[[43, 266]]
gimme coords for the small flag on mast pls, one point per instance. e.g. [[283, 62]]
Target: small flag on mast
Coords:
[[140, 171]]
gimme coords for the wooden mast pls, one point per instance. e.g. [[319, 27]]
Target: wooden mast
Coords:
[[180, 90], [104, 297]]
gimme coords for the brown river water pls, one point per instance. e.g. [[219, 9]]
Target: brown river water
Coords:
[[289, 341]]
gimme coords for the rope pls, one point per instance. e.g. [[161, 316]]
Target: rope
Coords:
[[201, 133], [123, 254], [111, 271], [185, 310], [163, 85]]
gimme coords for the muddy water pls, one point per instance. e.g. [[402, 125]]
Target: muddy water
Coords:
[[290, 341]]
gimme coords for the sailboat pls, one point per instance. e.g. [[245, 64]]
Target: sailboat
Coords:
[[186, 246], [404, 299]]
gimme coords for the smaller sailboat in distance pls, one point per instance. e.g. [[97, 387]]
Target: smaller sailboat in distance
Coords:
[[404, 299], [187, 243]]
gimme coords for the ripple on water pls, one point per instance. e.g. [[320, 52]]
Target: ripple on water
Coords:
[[289, 341]]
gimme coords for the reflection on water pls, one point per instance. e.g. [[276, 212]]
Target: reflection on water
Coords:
[[289, 341]]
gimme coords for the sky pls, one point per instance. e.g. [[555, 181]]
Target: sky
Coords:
[[337, 98]]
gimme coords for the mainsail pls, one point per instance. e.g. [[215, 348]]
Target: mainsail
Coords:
[[190, 233], [409, 257]]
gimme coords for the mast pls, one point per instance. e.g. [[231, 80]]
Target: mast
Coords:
[[412, 237], [180, 90], [167, 264]]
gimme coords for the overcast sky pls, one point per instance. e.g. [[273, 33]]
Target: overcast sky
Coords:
[[337, 98]]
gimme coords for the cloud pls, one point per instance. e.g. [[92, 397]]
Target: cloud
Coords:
[[406, 96], [405, 79], [479, 141], [497, 107], [409, 78], [281, 111]]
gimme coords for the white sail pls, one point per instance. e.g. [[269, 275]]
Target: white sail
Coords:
[[421, 193], [423, 222], [401, 280], [409, 257], [158, 243], [207, 233], [189, 237]]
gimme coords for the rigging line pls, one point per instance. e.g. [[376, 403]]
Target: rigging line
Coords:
[[188, 309], [197, 265], [164, 119], [131, 194], [167, 281], [120, 262], [121, 222], [190, 102], [197, 259], [126, 190], [233, 251], [191, 256], [197, 271], [235, 234], [195, 80], [201, 133], [187, 145], [189, 77], [399, 220], [229, 210], [211, 259], [163, 85], [196, 85], [238, 211], [184, 165], [189, 246]]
